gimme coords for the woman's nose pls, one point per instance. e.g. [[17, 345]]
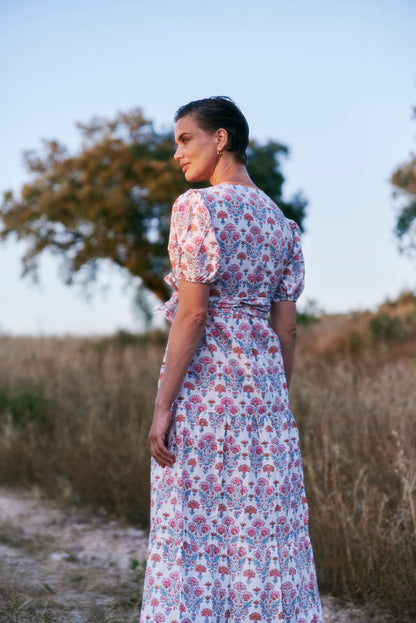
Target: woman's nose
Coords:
[[177, 155]]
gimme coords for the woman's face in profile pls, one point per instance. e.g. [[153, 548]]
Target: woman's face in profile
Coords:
[[196, 150]]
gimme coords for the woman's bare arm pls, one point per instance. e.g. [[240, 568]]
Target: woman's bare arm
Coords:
[[283, 322], [186, 331]]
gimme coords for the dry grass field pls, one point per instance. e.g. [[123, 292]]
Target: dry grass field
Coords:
[[75, 413]]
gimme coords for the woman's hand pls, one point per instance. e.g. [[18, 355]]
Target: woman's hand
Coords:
[[158, 437]]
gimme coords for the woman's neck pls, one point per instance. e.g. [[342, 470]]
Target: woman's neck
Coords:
[[228, 171]]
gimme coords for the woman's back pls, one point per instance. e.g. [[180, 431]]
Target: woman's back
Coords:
[[244, 244]]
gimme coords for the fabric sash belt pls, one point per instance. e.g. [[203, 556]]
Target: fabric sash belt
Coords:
[[238, 308]]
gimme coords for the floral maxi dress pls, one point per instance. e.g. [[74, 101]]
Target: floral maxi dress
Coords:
[[229, 538]]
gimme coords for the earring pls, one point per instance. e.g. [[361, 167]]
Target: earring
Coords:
[[219, 153]]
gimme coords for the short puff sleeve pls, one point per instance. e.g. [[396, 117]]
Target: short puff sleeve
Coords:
[[292, 281], [193, 248]]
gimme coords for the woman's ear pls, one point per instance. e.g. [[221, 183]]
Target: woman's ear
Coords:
[[222, 139]]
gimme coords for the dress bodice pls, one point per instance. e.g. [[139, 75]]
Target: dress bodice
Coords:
[[235, 238]]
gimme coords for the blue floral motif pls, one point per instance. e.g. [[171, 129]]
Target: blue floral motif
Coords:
[[271, 601], [206, 449], [169, 590], [231, 456], [193, 593], [258, 535], [241, 598], [264, 494], [210, 490], [212, 555], [236, 494]]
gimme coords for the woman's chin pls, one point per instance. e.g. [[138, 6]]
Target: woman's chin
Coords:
[[189, 177], [194, 177]]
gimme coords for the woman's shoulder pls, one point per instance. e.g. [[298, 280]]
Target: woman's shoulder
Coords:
[[198, 199], [188, 201], [187, 196], [190, 206], [219, 193], [207, 193], [293, 229]]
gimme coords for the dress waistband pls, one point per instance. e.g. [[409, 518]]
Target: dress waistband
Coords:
[[238, 307]]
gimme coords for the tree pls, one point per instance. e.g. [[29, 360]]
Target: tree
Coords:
[[404, 180], [264, 169], [112, 199]]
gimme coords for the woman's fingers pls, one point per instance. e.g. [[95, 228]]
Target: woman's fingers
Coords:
[[159, 451], [158, 437]]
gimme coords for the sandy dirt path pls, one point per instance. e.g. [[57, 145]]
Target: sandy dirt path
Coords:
[[73, 566]]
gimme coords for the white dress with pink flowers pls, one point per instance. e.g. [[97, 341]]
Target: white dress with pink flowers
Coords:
[[229, 538]]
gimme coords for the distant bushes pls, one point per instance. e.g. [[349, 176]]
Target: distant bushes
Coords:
[[24, 406], [308, 313], [393, 328], [395, 321], [123, 338]]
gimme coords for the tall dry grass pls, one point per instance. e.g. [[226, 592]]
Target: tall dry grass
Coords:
[[75, 414], [358, 440], [354, 398]]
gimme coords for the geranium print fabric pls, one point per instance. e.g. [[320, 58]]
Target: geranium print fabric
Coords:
[[229, 538]]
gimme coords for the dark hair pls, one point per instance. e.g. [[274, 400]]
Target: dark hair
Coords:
[[217, 112]]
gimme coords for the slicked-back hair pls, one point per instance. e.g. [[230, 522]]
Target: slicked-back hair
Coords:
[[213, 113]]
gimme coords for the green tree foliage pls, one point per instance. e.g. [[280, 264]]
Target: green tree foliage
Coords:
[[264, 169], [404, 181], [112, 199]]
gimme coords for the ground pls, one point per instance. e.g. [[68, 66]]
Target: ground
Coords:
[[75, 566]]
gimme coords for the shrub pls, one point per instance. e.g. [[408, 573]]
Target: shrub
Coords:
[[309, 313], [388, 328]]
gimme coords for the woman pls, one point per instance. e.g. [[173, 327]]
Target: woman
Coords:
[[229, 538]]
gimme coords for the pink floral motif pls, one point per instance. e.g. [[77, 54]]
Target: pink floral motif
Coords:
[[229, 521]]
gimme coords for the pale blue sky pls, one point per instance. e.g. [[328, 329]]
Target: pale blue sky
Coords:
[[334, 80]]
